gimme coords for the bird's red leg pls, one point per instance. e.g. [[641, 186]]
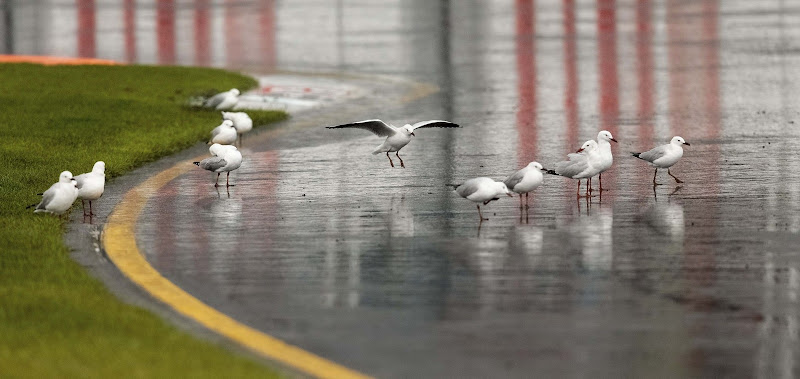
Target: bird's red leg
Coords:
[[390, 159], [84, 207], [479, 213], [654, 179], [673, 176], [216, 182], [397, 153], [90, 209]]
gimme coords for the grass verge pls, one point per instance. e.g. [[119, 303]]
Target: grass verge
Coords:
[[55, 320]]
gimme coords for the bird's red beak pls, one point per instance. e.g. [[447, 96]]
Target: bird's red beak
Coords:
[[615, 140], [579, 150], [412, 133], [509, 195]]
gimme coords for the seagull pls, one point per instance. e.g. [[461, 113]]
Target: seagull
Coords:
[[525, 180], [482, 190], [241, 122], [223, 100], [664, 156], [606, 158], [59, 197], [396, 137], [224, 158], [91, 185], [580, 165], [224, 134]]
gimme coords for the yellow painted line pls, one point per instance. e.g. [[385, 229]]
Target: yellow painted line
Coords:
[[119, 239]]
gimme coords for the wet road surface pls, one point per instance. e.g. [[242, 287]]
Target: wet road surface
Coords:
[[389, 272]]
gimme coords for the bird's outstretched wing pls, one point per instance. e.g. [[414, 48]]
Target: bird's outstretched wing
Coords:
[[434, 124], [378, 127]]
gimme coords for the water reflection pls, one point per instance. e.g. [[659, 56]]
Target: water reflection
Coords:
[[326, 232]]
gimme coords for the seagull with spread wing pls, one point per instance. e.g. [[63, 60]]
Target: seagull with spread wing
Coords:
[[396, 137]]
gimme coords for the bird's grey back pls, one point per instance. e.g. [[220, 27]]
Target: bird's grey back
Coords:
[[215, 100], [47, 197], [81, 179], [576, 164], [468, 188], [653, 154], [514, 179]]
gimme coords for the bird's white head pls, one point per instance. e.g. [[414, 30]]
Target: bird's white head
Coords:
[[588, 146], [234, 91], [408, 130], [536, 165], [65, 177], [677, 140], [226, 115], [228, 123], [99, 167], [605, 135]]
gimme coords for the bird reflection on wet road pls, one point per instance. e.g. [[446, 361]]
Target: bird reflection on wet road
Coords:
[[388, 271]]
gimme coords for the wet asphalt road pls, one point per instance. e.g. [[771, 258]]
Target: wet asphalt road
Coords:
[[389, 272]]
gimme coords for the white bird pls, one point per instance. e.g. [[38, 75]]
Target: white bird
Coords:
[[59, 197], [396, 137], [224, 134], [91, 185], [606, 157], [224, 158], [241, 122], [584, 164], [223, 100], [525, 180], [664, 156], [483, 190]]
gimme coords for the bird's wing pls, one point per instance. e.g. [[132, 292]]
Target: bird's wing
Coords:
[[655, 153], [216, 131], [81, 179], [47, 197], [378, 127], [215, 100], [213, 163], [576, 164], [434, 124], [468, 188], [514, 179]]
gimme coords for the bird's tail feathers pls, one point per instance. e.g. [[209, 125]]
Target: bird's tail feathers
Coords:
[[196, 164], [31, 206], [551, 172], [636, 155], [453, 186]]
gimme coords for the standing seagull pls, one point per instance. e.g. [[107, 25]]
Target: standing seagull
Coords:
[[241, 122], [223, 100], [224, 134], [91, 185], [59, 197], [606, 158], [396, 137], [664, 156], [482, 190], [525, 180], [580, 165], [224, 158]]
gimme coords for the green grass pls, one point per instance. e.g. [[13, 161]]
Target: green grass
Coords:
[[55, 320]]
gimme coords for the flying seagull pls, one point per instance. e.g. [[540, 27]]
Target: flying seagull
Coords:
[[396, 137]]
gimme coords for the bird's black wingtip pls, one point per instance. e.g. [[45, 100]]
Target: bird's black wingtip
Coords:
[[196, 164], [551, 172], [635, 154], [31, 206], [453, 186]]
